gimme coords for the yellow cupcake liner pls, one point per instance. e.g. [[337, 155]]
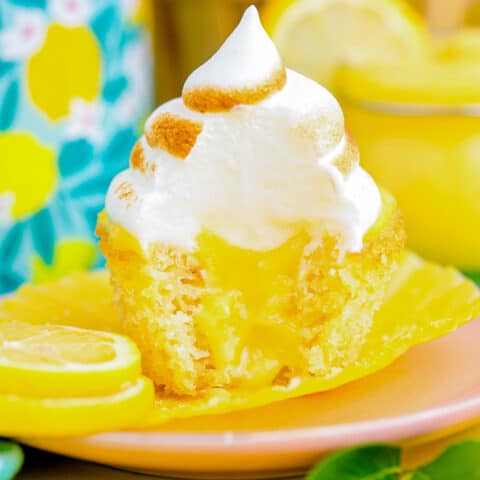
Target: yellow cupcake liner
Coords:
[[424, 301], [82, 300]]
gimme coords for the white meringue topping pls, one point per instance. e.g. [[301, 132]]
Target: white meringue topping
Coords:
[[255, 175], [247, 58]]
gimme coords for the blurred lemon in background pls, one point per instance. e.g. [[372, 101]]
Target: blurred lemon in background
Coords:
[[315, 37], [52, 88], [32, 188]]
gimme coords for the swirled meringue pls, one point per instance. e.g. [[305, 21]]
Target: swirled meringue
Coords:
[[252, 151]]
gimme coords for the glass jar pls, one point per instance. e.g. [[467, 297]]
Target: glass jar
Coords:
[[418, 129]]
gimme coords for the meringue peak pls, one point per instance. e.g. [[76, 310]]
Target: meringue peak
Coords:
[[245, 70]]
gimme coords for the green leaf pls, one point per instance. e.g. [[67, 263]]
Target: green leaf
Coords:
[[475, 276], [5, 67], [29, 3], [11, 459], [103, 25], [74, 157], [43, 233], [114, 88], [8, 105], [369, 462], [460, 461]]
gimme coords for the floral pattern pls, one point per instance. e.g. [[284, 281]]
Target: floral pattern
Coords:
[[24, 35], [75, 84], [70, 12]]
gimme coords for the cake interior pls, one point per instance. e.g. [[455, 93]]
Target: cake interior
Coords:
[[223, 316]]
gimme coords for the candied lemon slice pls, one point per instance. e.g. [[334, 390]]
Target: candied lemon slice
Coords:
[[316, 36], [81, 300], [424, 301], [46, 417], [58, 361]]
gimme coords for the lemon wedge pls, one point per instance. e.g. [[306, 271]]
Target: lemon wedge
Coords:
[[59, 361], [46, 417], [315, 37]]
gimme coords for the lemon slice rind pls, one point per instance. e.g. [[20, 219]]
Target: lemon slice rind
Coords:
[[53, 417]]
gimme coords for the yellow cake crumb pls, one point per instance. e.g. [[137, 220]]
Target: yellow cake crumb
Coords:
[[228, 317]]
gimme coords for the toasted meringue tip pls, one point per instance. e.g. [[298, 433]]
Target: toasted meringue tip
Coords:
[[216, 100], [172, 133], [246, 69]]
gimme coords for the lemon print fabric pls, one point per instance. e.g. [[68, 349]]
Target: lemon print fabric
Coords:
[[38, 160], [75, 85], [52, 94]]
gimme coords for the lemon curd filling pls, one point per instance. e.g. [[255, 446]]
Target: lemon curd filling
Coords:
[[224, 316], [249, 306]]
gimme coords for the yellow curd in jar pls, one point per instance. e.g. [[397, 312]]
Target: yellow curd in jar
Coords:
[[418, 128]]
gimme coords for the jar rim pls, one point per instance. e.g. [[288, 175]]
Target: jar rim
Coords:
[[429, 86], [413, 109]]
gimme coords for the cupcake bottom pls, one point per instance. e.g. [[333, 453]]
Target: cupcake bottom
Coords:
[[233, 318]]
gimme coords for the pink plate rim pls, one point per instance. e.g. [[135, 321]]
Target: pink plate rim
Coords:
[[330, 437], [447, 416]]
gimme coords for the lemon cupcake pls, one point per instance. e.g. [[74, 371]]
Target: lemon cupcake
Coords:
[[246, 245]]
